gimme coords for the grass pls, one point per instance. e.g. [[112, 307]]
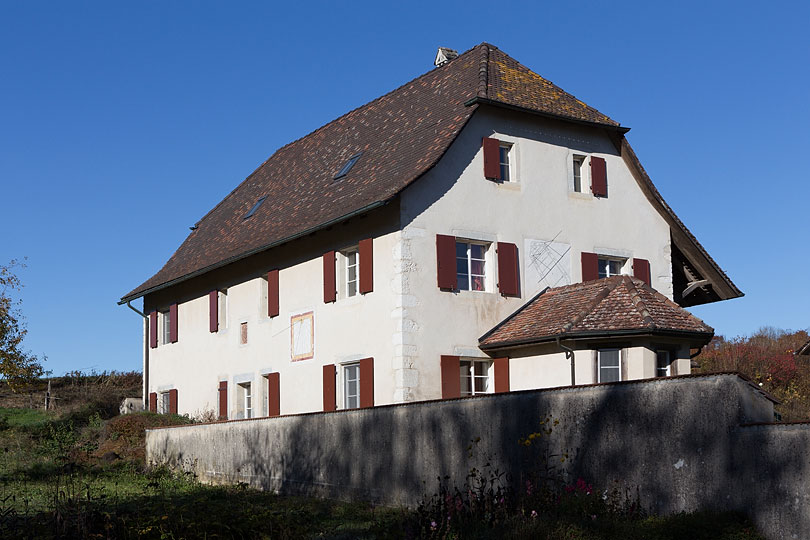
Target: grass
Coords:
[[79, 472]]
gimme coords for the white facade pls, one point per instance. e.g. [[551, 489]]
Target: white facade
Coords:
[[407, 322]]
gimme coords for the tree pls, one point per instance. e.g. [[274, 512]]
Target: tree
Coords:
[[17, 367]]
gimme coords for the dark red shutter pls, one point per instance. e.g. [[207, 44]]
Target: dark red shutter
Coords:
[[590, 266], [599, 177], [366, 254], [641, 270], [451, 376], [329, 390], [173, 323], [272, 293], [153, 329], [508, 278], [153, 402], [273, 394], [173, 401], [223, 400], [367, 382], [501, 366], [213, 311], [492, 158], [329, 283], [446, 261]]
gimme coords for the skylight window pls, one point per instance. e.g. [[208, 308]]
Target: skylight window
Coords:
[[348, 166], [255, 207]]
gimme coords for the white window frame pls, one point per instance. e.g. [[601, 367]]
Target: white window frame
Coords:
[[467, 372], [487, 276], [164, 402], [599, 363], [345, 375], [609, 259], [222, 306], [244, 396], [165, 327], [663, 371], [584, 172], [510, 160]]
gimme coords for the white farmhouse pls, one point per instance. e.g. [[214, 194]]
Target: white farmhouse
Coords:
[[457, 235]]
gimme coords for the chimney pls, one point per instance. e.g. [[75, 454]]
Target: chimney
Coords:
[[444, 55]]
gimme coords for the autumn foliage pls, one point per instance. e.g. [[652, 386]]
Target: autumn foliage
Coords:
[[768, 358]]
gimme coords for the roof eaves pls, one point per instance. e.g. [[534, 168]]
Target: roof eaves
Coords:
[[597, 334]]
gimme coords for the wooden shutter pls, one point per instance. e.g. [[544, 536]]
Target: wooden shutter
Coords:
[[173, 323], [273, 394], [153, 402], [446, 261], [173, 401], [641, 270], [153, 329], [329, 390], [599, 177], [508, 278], [492, 158], [366, 254], [213, 311], [590, 266], [223, 400], [451, 376], [367, 382], [501, 367], [272, 293], [329, 283]]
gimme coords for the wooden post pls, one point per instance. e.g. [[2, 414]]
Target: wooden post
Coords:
[[48, 397]]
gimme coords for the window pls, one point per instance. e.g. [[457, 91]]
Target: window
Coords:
[[504, 154], [578, 162], [351, 386], [350, 257], [348, 166], [166, 327], [245, 396], [662, 364], [471, 263], [610, 368], [243, 333], [610, 267], [165, 403], [475, 377], [255, 207], [223, 309]]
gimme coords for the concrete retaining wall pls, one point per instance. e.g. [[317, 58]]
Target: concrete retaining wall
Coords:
[[682, 443]]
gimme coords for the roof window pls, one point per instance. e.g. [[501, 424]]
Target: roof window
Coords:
[[255, 207], [348, 166]]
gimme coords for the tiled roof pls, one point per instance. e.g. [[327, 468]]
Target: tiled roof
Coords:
[[617, 305]]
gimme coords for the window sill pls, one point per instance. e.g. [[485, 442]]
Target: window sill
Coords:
[[509, 186], [580, 196]]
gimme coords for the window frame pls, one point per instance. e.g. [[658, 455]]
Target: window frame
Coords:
[[618, 367], [245, 400], [668, 368], [345, 369], [509, 177], [164, 402], [610, 259], [487, 275], [222, 307], [584, 173], [472, 377], [165, 327]]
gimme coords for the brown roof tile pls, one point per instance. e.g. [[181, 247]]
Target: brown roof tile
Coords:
[[619, 304]]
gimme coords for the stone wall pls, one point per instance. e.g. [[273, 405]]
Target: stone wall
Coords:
[[681, 443]]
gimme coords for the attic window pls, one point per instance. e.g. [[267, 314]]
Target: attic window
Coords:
[[255, 207], [348, 166]]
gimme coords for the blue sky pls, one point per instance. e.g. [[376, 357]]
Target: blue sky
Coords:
[[121, 124]]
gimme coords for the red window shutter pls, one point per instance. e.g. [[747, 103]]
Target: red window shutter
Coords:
[[153, 402], [501, 366], [223, 400], [273, 394], [366, 253], [329, 393], [599, 177], [641, 270], [173, 323], [492, 158], [173, 401], [590, 266], [508, 278], [446, 261], [367, 382], [451, 376], [213, 311], [272, 293], [153, 329], [329, 283]]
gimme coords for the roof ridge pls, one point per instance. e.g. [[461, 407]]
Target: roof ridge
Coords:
[[609, 285], [483, 71], [638, 302]]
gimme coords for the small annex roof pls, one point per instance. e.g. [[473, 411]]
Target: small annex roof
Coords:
[[609, 307], [401, 136], [804, 349]]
